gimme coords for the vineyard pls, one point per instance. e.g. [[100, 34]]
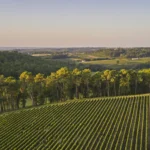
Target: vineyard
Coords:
[[112, 123]]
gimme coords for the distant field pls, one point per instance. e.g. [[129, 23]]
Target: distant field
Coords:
[[120, 61], [111, 123], [80, 57], [40, 55]]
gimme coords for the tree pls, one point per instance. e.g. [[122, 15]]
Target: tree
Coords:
[[11, 92], [145, 77], [51, 87], [114, 81], [135, 79], [96, 84], [28, 85], [40, 87], [86, 75], [117, 62], [106, 77], [62, 82], [124, 83], [2, 99], [76, 74]]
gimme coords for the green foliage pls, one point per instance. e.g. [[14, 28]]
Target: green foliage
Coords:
[[65, 84], [123, 52], [14, 63]]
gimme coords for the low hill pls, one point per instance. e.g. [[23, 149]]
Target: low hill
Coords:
[[102, 123], [13, 63]]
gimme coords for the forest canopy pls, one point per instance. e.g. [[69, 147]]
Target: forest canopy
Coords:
[[12, 63]]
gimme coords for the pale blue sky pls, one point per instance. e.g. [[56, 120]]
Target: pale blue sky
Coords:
[[68, 23]]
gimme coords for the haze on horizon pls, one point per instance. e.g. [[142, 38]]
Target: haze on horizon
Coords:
[[69, 23]]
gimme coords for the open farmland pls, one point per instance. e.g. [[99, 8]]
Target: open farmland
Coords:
[[119, 61], [101, 123]]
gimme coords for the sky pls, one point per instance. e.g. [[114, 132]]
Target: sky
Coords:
[[74, 23]]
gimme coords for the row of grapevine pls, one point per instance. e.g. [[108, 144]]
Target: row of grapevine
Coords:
[[105, 123]]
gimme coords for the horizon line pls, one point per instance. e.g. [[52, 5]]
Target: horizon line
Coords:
[[13, 47]]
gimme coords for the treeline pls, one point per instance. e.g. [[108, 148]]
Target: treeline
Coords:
[[65, 84], [123, 52], [94, 59]]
